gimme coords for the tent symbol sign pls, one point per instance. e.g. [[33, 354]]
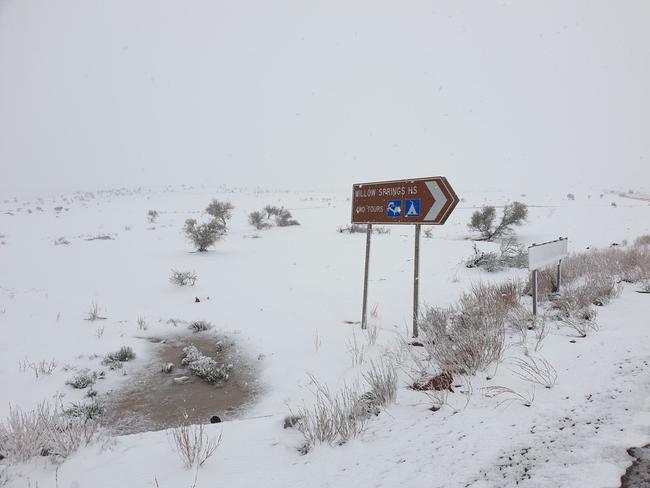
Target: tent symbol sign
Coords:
[[412, 208]]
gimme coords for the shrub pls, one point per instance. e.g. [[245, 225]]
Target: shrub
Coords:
[[352, 229], [643, 240], [93, 313], [82, 380], [204, 367], [284, 219], [470, 335], [382, 379], [511, 255], [152, 216], [124, 354], [44, 431], [571, 196], [183, 278], [272, 211], [256, 219], [192, 444], [220, 211], [200, 326], [204, 235], [334, 418], [483, 220]]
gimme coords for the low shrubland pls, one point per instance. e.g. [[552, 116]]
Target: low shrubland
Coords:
[[45, 431]]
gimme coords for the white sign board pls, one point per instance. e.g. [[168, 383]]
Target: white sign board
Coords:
[[540, 255]]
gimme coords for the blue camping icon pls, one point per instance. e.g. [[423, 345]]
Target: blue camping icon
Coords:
[[394, 208], [412, 208]]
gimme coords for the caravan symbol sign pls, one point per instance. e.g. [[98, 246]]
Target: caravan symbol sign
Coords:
[[419, 201]]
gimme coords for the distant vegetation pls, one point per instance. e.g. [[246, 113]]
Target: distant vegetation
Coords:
[[483, 220]]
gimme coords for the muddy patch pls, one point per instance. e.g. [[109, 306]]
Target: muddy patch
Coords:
[[638, 474], [154, 399]]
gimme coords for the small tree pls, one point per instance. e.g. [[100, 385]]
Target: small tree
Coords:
[[483, 220], [256, 219], [204, 235], [152, 216], [221, 211]]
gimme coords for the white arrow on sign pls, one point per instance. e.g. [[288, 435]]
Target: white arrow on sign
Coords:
[[439, 199]]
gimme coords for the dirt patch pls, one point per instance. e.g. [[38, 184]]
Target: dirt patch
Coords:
[[638, 474], [156, 400]]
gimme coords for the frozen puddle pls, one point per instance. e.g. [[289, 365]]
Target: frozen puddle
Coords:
[[153, 400]]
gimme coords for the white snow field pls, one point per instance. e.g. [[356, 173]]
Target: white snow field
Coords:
[[286, 299]]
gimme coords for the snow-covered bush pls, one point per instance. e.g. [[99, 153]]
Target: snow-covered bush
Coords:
[[272, 211], [86, 411], [510, 255], [285, 219], [44, 431], [220, 211], [361, 229], [82, 380], [183, 278], [352, 229], [152, 216], [204, 235], [193, 444], [570, 196], [483, 220], [257, 220], [200, 326], [122, 355], [204, 367]]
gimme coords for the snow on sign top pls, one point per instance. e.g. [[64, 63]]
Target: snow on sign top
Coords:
[[540, 255], [418, 201]]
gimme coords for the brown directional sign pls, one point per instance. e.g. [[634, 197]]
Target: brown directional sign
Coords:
[[418, 201]]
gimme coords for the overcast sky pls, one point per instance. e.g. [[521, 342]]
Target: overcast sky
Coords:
[[321, 94]]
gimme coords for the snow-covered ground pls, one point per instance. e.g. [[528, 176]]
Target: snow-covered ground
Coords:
[[286, 299]]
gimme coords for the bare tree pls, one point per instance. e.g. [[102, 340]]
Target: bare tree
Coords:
[[483, 220]]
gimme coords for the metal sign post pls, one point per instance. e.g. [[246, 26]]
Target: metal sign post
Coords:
[[418, 201], [542, 255], [364, 313], [416, 279]]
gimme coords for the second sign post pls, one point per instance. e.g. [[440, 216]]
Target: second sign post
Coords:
[[419, 201]]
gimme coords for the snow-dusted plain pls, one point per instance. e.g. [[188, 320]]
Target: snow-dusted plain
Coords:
[[286, 299]]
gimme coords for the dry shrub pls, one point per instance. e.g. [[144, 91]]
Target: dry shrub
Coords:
[[470, 335], [44, 431], [643, 240], [193, 444], [538, 371]]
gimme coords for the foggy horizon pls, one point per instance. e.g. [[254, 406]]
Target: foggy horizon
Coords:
[[493, 96]]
